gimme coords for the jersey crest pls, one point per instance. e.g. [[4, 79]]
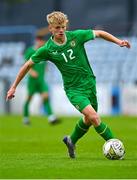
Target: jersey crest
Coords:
[[73, 43]]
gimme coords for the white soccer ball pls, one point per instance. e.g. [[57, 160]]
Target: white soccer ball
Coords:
[[114, 149]]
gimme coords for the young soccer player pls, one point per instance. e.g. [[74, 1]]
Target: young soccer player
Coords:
[[36, 84], [66, 50]]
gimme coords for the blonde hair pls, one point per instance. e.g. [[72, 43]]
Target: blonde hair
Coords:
[[57, 17]]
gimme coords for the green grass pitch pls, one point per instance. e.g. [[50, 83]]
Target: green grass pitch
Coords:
[[37, 151]]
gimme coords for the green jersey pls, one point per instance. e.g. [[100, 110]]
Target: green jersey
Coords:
[[39, 68], [70, 58]]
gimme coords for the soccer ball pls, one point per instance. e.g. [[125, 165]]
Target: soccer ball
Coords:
[[113, 149]]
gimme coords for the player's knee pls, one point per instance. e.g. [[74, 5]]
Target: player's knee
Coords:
[[87, 121], [93, 119]]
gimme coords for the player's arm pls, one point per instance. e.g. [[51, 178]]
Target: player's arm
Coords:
[[32, 72], [22, 72], [109, 37], [27, 56]]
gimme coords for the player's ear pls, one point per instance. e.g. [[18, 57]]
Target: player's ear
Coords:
[[50, 28]]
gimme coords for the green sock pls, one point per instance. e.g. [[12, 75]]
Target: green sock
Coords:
[[104, 131], [47, 107], [26, 109], [80, 129]]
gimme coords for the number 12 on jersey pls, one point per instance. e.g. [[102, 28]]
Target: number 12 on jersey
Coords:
[[70, 55]]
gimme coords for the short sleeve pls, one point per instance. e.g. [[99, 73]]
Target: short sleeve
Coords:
[[40, 55], [85, 35]]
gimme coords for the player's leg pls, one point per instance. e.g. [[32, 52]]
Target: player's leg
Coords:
[[80, 101], [31, 89], [88, 107], [91, 117], [46, 102], [80, 129], [82, 126], [48, 108], [83, 103], [26, 112]]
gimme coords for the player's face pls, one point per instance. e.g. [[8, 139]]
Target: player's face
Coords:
[[39, 43], [58, 30]]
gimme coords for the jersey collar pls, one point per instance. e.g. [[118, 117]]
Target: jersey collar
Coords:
[[58, 43]]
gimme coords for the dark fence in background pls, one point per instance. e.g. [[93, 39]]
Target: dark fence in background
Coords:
[[118, 17]]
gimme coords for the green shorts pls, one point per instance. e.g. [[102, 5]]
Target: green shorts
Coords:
[[37, 86], [80, 99]]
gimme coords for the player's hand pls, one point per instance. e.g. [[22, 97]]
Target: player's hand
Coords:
[[10, 94], [124, 43]]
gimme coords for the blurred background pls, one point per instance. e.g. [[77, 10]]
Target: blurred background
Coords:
[[115, 68]]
